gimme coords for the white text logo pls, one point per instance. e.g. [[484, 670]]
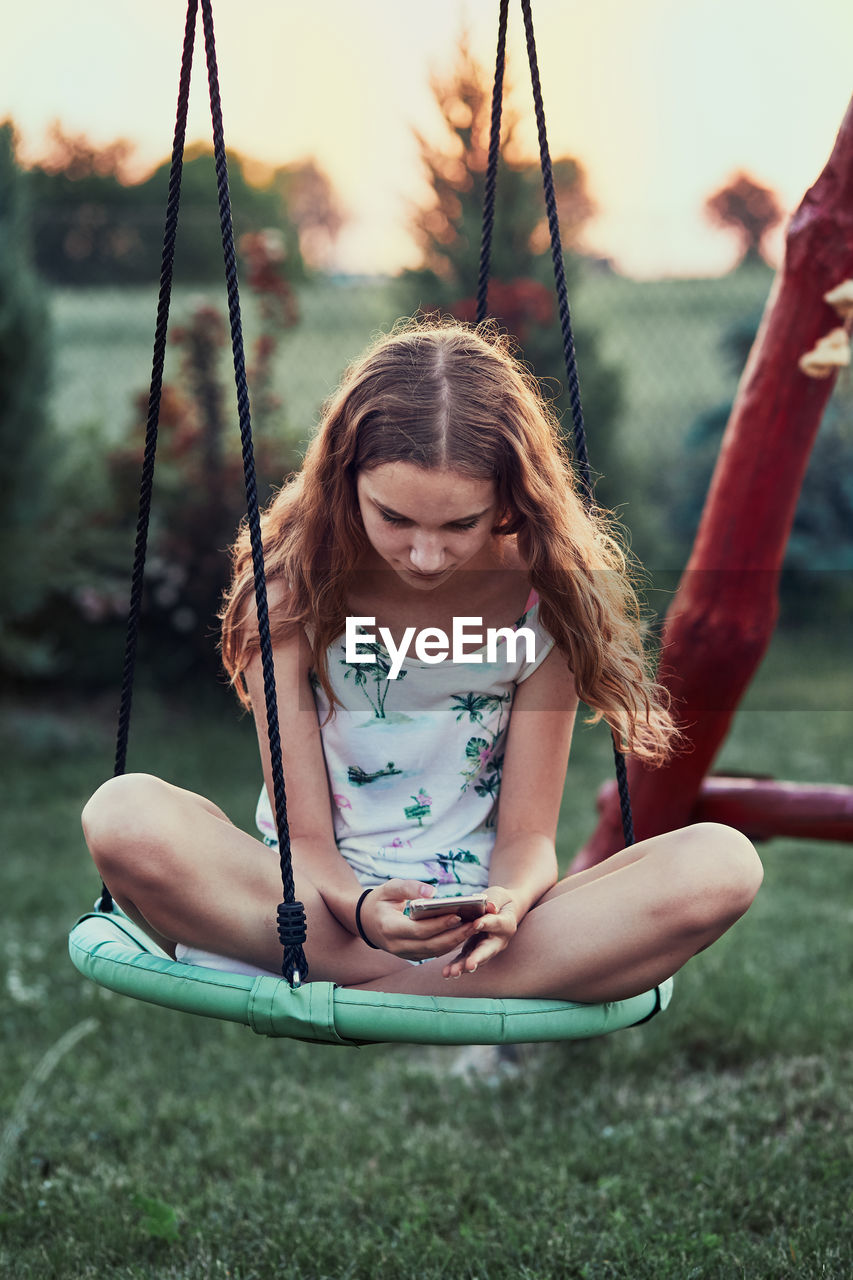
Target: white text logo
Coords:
[[433, 645]]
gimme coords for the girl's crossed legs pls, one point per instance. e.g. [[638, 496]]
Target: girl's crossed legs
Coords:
[[179, 866]]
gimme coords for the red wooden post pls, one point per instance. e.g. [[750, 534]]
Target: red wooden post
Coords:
[[724, 612], [763, 807]]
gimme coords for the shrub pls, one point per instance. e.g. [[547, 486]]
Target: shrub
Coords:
[[819, 557]]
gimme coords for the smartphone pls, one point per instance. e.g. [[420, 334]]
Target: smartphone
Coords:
[[467, 905]]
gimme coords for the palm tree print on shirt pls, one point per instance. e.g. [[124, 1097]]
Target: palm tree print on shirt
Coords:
[[360, 777], [484, 765], [445, 866], [376, 673]]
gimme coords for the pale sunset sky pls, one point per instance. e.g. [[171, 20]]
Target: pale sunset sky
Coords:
[[661, 100]]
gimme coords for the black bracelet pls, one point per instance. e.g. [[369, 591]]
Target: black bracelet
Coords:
[[358, 923]]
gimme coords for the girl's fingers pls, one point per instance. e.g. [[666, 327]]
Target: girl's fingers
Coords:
[[422, 946], [488, 937], [503, 926], [473, 954], [451, 938], [435, 928]]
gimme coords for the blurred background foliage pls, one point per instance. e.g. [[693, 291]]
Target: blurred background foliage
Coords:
[[80, 247], [91, 225], [820, 550], [32, 541]]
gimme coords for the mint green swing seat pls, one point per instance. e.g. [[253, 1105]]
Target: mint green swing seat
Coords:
[[116, 953]]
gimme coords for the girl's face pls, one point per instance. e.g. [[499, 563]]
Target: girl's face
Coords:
[[427, 524]]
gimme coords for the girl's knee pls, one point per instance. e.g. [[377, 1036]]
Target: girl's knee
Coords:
[[123, 818], [118, 803], [717, 876], [733, 857]]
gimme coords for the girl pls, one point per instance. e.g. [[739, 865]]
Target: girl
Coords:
[[434, 503]]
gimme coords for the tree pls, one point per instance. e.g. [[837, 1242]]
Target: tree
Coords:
[[448, 229], [74, 156], [314, 207], [89, 226], [92, 225], [25, 446], [750, 209], [521, 293], [198, 256]]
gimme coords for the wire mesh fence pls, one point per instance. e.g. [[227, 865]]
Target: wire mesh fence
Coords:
[[664, 340], [676, 348]]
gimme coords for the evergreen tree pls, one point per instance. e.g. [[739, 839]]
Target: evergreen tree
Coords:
[[521, 293], [25, 445], [819, 557]]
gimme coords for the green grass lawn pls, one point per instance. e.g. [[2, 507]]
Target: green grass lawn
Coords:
[[663, 337], [103, 340], [713, 1142]]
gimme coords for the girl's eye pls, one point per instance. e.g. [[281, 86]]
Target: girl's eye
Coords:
[[460, 525]]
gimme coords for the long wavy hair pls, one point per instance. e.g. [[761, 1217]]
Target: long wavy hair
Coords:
[[442, 395]]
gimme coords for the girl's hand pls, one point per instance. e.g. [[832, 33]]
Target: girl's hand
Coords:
[[384, 922], [489, 936]]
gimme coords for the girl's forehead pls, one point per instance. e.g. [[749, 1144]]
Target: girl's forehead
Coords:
[[409, 490]]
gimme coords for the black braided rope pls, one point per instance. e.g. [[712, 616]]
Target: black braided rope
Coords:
[[581, 459], [156, 387], [291, 915], [492, 170], [624, 796], [578, 429]]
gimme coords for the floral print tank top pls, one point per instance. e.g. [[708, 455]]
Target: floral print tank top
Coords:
[[414, 764]]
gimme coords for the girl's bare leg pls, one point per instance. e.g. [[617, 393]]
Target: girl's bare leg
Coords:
[[176, 864], [616, 929], [174, 861]]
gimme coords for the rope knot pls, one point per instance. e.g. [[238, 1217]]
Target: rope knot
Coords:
[[292, 930]]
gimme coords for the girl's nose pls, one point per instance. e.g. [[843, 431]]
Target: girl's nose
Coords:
[[427, 555]]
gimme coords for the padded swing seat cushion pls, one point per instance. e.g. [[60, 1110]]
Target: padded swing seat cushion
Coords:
[[116, 953]]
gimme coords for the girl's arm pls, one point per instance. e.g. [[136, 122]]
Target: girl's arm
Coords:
[[524, 859], [309, 813], [523, 865], [309, 810]]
